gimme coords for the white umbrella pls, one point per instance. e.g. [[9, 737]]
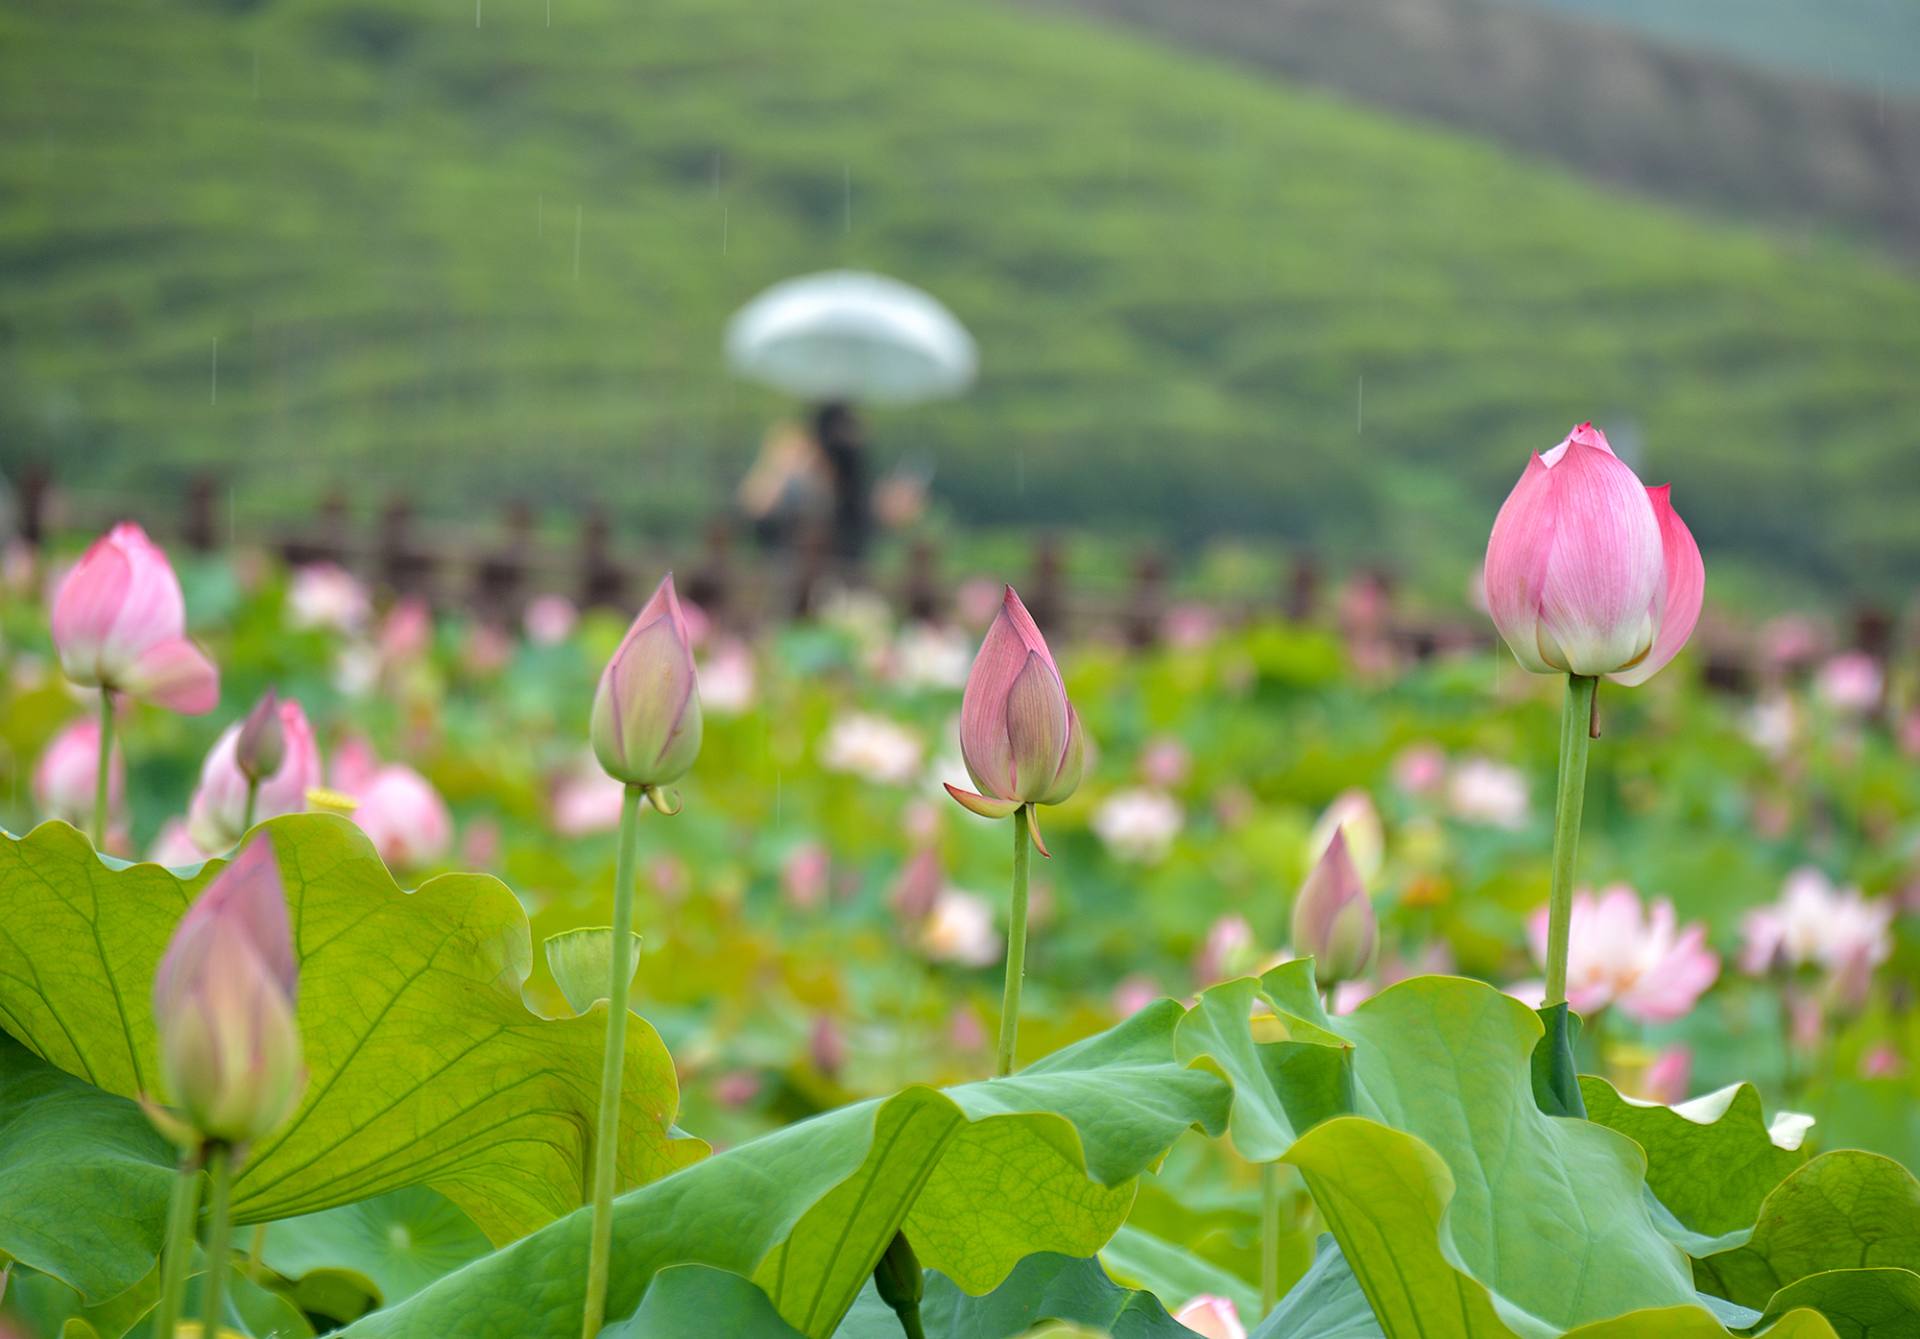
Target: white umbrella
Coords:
[[847, 335]]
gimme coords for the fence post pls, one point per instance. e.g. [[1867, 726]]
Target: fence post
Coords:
[[1303, 588], [198, 527], [403, 566], [920, 595], [1046, 595], [602, 583], [1146, 602], [500, 579], [710, 585]]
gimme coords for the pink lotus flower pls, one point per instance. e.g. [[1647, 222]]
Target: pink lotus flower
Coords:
[[398, 809], [119, 622], [407, 632], [871, 747], [223, 1002], [960, 930], [1332, 920], [549, 619], [1851, 682], [1590, 572], [217, 817], [805, 876], [326, 595], [1212, 1318], [918, 887], [1420, 769], [1019, 736], [1165, 762], [1490, 793], [68, 774], [646, 712], [1815, 924], [1229, 950], [1666, 1080], [585, 800], [174, 847], [727, 678], [1621, 955]]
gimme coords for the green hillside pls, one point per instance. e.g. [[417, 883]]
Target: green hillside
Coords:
[[466, 252]]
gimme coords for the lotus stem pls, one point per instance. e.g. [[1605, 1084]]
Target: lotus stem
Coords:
[[219, 1236], [253, 798], [1016, 942], [606, 1139], [1576, 717], [179, 1247], [100, 789], [1269, 1237]]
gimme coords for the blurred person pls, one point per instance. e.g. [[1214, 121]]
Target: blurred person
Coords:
[[789, 490]]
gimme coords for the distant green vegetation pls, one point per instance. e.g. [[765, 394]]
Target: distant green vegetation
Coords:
[[470, 261]]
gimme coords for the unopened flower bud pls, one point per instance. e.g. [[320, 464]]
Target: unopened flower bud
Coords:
[[1332, 919], [262, 745], [646, 712]]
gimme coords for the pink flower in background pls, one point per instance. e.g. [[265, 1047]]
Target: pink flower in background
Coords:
[[1420, 769], [1188, 627], [1212, 1318], [217, 817], [1165, 762], [68, 774], [173, 847], [918, 887], [736, 1088], [966, 1032], [1589, 571], [1667, 1078], [1135, 993], [406, 633], [872, 747], [549, 619], [1635, 958], [488, 650], [960, 930], [827, 1046], [585, 800], [399, 810], [119, 623], [928, 656], [806, 876], [1020, 736], [480, 844], [326, 595], [1228, 952], [1851, 682], [977, 601], [1882, 1062], [1353, 813], [1139, 824], [727, 678], [1816, 924], [1488, 793], [1788, 642]]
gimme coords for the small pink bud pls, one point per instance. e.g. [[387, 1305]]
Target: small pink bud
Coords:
[[67, 773], [1588, 571], [119, 623], [262, 745], [223, 1002], [217, 817], [1019, 736], [1332, 919], [646, 712], [827, 1046], [1212, 1318]]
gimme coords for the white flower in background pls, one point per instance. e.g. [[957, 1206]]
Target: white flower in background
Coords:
[[1816, 924], [356, 670], [1772, 725], [960, 930], [872, 747], [327, 595], [1138, 824], [727, 680], [927, 656], [1850, 682], [1489, 793], [1351, 812], [862, 615]]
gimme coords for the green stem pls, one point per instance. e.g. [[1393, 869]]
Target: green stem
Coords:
[[179, 1247], [256, 1252], [105, 770], [1269, 1237], [253, 798], [606, 1139], [1576, 716], [1016, 942], [219, 1237]]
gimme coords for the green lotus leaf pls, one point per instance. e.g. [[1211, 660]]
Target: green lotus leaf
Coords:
[[1327, 1303], [399, 1242], [1859, 1303], [84, 1178], [424, 1065], [979, 1177], [1711, 1161], [1168, 1270], [1845, 1210]]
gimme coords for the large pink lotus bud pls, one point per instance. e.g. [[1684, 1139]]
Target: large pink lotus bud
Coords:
[[646, 712], [1020, 737], [223, 1001], [1590, 572], [1332, 919], [65, 778], [119, 622], [404, 816], [217, 818], [262, 744]]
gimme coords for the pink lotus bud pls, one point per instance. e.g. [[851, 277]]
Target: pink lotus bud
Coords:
[[1332, 918], [1019, 736], [827, 1046], [262, 745], [918, 887], [646, 712], [404, 816], [65, 778], [223, 1002], [549, 619], [1212, 1318], [119, 622], [217, 817], [174, 847], [1669, 1076], [1590, 572]]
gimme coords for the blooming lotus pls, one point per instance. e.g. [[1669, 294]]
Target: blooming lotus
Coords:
[[404, 816], [871, 747], [119, 623], [1815, 924], [960, 930], [1019, 736], [1139, 824], [326, 595], [223, 1003], [68, 773], [1622, 954], [1589, 571], [646, 711], [218, 816]]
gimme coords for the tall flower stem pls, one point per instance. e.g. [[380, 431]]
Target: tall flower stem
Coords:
[[1576, 717], [1269, 1237], [606, 1139], [1016, 941], [219, 1235], [105, 771], [253, 798], [179, 1248]]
